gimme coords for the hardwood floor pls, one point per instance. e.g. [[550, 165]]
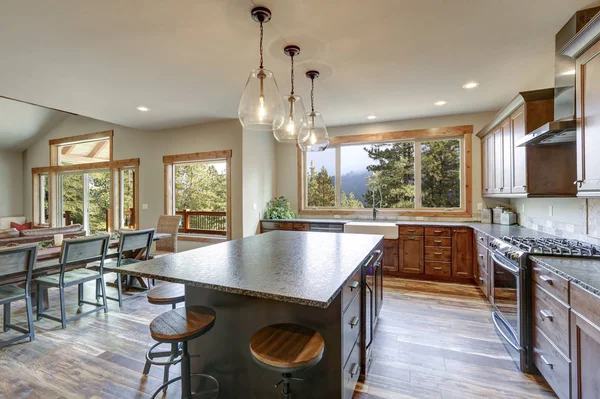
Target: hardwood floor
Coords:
[[433, 340]]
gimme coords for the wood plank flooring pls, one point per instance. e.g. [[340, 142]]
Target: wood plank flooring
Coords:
[[433, 340]]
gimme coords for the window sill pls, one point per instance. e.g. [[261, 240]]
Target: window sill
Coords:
[[200, 238], [387, 212]]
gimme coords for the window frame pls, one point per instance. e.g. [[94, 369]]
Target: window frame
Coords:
[[170, 161], [463, 133]]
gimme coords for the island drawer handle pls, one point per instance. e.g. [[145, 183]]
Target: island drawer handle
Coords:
[[546, 315], [354, 322], [353, 285], [437, 241], [546, 362], [438, 253], [547, 279], [354, 370]]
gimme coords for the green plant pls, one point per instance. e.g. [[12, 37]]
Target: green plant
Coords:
[[279, 208]]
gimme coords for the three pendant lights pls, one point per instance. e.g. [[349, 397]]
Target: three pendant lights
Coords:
[[262, 107]]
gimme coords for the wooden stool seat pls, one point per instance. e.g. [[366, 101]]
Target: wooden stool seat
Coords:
[[287, 347], [167, 294], [182, 324]]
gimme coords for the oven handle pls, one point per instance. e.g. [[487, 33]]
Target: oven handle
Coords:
[[510, 268], [495, 317]]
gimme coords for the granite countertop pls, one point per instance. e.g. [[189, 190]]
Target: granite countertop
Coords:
[[301, 220], [581, 271], [296, 267]]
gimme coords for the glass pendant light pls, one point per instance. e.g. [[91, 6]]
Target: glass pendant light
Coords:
[[294, 108], [313, 134], [261, 107]]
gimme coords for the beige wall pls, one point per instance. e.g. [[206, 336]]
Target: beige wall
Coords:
[[258, 172], [11, 183], [286, 157], [150, 146]]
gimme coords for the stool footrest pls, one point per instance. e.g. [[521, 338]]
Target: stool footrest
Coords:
[[214, 391], [150, 356]]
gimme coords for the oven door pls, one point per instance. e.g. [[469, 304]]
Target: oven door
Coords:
[[508, 308]]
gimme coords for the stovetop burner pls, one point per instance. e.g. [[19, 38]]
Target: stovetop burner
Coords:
[[555, 246]]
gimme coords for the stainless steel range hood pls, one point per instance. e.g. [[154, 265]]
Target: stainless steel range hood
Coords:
[[555, 132]]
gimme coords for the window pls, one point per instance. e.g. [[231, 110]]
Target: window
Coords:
[[197, 188], [84, 152], [128, 198], [416, 172]]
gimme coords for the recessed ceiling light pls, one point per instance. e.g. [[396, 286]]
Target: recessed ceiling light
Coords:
[[440, 103], [143, 109], [371, 117], [470, 85], [569, 72]]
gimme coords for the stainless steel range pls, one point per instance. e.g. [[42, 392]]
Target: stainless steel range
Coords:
[[511, 285]]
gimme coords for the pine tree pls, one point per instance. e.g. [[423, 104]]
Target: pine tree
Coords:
[[321, 191]]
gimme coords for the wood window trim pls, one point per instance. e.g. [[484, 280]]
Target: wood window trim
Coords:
[[464, 132], [56, 143], [170, 161]]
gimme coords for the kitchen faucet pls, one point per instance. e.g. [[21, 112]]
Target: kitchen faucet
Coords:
[[375, 210]]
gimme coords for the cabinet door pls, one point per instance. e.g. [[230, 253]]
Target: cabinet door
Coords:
[[390, 255], [519, 155], [585, 354], [462, 252], [490, 163], [485, 181], [498, 162], [506, 130], [588, 115], [411, 254]]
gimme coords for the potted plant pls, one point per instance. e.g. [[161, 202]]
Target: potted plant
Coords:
[[279, 208]]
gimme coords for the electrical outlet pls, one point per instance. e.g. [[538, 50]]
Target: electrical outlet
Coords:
[[145, 206], [550, 210], [254, 207], [479, 206], [523, 208]]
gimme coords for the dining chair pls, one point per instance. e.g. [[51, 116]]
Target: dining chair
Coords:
[[130, 242], [167, 224], [76, 252], [17, 260]]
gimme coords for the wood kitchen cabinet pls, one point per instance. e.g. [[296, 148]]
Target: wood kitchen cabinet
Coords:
[[487, 158], [411, 258], [390, 255], [507, 152], [498, 162], [519, 154], [462, 252]]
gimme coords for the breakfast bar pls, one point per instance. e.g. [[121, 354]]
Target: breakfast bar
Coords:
[[310, 279]]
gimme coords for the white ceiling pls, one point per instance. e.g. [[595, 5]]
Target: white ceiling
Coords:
[[188, 60]]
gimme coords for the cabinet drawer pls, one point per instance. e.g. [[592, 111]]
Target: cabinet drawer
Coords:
[[482, 257], [277, 225], [555, 368], [301, 226], [438, 253], [481, 238], [483, 282], [351, 289], [551, 282], [351, 325], [438, 241], [585, 303], [351, 372], [410, 230], [438, 231], [438, 268], [552, 317]]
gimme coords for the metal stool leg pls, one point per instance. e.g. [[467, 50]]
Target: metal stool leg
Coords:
[[5, 328], [80, 294], [40, 307], [63, 311], [30, 318], [186, 388]]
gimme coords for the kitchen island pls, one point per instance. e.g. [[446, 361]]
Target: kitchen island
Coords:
[[308, 278]]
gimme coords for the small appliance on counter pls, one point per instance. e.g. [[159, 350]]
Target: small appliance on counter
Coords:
[[497, 214], [486, 215], [508, 218]]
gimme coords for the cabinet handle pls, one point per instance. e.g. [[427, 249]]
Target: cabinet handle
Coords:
[[547, 279], [354, 322], [546, 315], [437, 241], [481, 239], [411, 238], [481, 279], [437, 231], [437, 268], [353, 285], [481, 256], [354, 370], [501, 189], [578, 182], [411, 230], [524, 187], [546, 362], [437, 253]]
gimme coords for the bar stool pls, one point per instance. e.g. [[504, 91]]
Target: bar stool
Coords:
[[178, 326], [287, 348], [164, 294]]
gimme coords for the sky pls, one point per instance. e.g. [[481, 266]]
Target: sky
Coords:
[[354, 159]]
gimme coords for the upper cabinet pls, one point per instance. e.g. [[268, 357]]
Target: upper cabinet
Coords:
[[509, 171]]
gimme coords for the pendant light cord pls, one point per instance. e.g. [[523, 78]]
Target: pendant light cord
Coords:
[[312, 95], [292, 74], [261, 45]]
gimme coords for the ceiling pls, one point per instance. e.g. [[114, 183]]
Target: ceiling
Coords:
[[189, 62]]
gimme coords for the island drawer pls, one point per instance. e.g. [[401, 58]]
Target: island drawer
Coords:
[[438, 268], [481, 238], [438, 231], [552, 317], [551, 363], [351, 325], [350, 290], [438, 253], [551, 282], [277, 225], [438, 241], [351, 372], [301, 226], [411, 230]]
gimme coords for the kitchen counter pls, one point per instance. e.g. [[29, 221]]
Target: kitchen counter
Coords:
[[305, 269], [581, 271], [317, 221]]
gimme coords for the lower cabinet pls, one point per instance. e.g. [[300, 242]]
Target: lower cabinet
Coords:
[[411, 258], [462, 252], [390, 255]]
